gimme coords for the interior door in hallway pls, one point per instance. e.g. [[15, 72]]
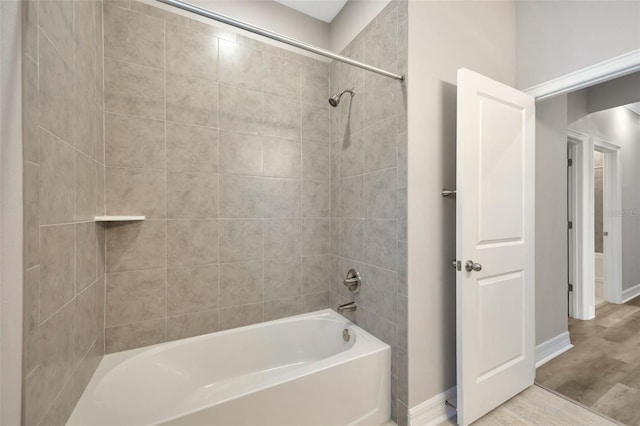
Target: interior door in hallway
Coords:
[[495, 244]]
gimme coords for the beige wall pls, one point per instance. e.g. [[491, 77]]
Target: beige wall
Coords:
[[443, 36], [551, 223], [63, 191], [557, 37], [577, 105], [369, 190], [621, 91]]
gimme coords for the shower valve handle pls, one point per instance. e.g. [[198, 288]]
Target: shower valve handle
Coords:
[[353, 281]]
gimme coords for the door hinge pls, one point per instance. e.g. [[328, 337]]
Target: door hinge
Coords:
[[570, 287], [570, 225], [570, 162], [452, 402]]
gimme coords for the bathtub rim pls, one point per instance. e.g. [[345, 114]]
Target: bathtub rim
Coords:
[[130, 353]]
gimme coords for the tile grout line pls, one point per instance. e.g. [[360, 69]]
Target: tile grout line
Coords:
[[262, 107], [219, 268], [301, 280], [166, 185]]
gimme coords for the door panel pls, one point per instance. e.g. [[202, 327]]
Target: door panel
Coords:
[[495, 229], [500, 191], [501, 342]]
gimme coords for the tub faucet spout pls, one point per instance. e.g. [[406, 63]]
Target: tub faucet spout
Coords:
[[349, 307]]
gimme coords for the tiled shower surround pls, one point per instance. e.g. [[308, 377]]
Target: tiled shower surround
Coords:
[[369, 189], [223, 143], [258, 196], [63, 191]]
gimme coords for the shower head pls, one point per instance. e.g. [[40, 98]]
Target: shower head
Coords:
[[335, 99]]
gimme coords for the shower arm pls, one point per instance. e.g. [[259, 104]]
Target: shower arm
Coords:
[[278, 37]]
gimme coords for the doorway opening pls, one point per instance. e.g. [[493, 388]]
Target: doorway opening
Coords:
[[601, 368], [594, 237]]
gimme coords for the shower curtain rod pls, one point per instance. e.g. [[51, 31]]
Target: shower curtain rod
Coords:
[[278, 37]]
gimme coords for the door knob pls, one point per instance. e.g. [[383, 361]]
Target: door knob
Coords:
[[471, 266]]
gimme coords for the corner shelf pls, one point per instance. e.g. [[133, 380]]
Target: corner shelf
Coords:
[[118, 218]]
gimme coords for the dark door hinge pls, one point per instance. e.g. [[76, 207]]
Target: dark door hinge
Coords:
[[570, 225], [570, 162], [570, 287]]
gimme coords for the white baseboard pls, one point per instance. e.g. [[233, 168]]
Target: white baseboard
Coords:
[[630, 293], [552, 348], [433, 411]]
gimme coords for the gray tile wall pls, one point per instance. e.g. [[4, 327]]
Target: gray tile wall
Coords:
[[63, 190], [369, 189], [223, 143]]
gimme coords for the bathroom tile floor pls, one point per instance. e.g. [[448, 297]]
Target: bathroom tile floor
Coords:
[[602, 371], [538, 407]]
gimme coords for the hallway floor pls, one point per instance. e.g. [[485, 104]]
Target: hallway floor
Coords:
[[602, 371]]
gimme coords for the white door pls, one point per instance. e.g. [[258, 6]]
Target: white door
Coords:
[[495, 238]]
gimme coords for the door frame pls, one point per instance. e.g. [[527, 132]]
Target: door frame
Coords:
[[612, 207], [574, 234], [612, 68], [581, 236], [582, 298]]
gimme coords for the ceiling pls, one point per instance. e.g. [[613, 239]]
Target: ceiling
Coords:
[[635, 107], [324, 10]]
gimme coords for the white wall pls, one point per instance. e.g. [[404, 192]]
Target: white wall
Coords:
[[354, 16], [557, 37], [10, 213], [443, 36], [622, 127]]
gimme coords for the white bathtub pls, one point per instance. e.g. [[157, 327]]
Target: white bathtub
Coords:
[[294, 371]]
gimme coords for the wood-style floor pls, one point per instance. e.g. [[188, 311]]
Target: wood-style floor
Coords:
[[602, 371], [539, 407]]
